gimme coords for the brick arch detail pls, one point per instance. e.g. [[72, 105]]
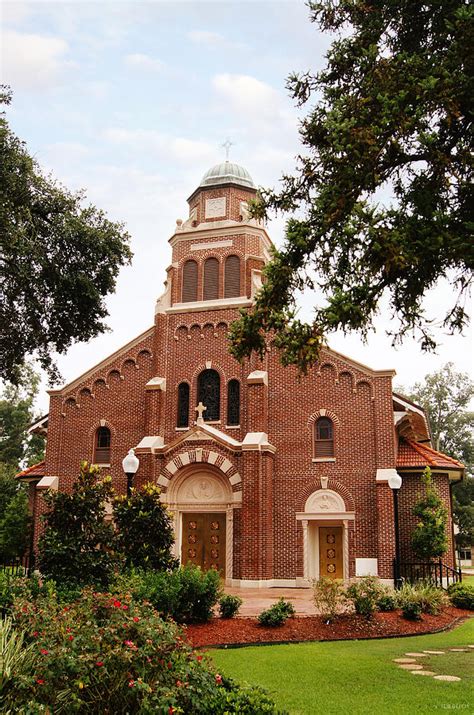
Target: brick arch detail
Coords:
[[95, 426], [369, 384], [201, 327], [346, 371], [196, 456], [323, 412], [332, 485]]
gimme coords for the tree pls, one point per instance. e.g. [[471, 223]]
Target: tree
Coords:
[[429, 539], [393, 117], [144, 529], [75, 548], [59, 260]]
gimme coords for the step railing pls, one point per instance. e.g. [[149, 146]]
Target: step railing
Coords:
[[435, 572]]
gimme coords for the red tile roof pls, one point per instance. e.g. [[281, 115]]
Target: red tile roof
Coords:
[[36, 470], [414, 454]]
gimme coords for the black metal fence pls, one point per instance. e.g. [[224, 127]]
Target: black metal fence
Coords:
[[434, 572], [22, 566]]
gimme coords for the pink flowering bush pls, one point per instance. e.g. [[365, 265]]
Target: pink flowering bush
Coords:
[[106, 653]]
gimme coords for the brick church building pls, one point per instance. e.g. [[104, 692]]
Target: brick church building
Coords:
[[273, 479]]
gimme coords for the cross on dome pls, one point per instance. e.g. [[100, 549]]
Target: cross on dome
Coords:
[[200, 409], [226, 145]]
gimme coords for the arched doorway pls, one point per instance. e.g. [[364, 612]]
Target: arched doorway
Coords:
[[325, 524], [202, 503]]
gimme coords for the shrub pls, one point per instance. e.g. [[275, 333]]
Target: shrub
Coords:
[[187, 594], [144, 529], [75, 548], [429, 539], [387, 602], [229, 605], [277, 614], [106, 649], [364, 595], [412, 610], [329, 597], [429, 598], [462, 595], [16, 659]]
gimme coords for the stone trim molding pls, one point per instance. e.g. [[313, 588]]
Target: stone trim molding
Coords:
[[201, 456], [258, 377], [156, 383]]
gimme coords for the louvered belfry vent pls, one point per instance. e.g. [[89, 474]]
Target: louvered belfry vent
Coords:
[[211, 279], [323, 438], [190, 276], [232, 277], [233, 402], [183, 405]]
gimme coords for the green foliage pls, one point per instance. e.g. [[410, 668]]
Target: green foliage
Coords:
[[76, 545], [62, 259], [15, 527], [429, 538], [390, 114], [463, 508], [229, 605], [16, 658], [108, 649], [387, 602], [144, 529], [16, 414], [277, 614], [411, 610], [187, 594], [422, 597], [365, 594], [329, 597], [462, 595]]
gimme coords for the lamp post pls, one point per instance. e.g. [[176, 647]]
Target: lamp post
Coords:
[[395, 482], [130, 465]]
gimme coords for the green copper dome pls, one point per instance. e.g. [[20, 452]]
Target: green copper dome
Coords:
[[225, 173]]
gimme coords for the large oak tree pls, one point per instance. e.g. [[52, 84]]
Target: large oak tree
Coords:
[[383, 187], [59, 259]]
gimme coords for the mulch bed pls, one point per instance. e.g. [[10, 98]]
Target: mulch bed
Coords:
[[244, 631]]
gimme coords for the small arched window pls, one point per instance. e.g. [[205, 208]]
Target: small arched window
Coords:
[[211, 279], [233, 402], [209, 393], [183, 405], [190, 276], [323, 438], [102, 446], [232, 277]]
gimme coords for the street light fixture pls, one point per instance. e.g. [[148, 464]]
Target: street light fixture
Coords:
[[395, 482], [130, 466]]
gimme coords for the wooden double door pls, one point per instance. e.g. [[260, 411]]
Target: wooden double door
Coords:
[[204, 540], [331, 552]]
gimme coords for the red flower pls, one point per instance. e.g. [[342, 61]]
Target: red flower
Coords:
[[40, 681], [71, 638], [117, 604], [99, 664], [136, 619], [178, 684], [171, 710], [199, 658], [218, 679], [35, 634], [43, 651], [124, 607], [131, 683]]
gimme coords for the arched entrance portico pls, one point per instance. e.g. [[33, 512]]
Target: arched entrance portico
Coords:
[[325, 523], [201, 500]]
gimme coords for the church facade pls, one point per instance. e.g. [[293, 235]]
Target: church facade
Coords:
[[272, 479]]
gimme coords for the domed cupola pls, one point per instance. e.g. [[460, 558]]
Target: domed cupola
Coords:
[[227, 173]]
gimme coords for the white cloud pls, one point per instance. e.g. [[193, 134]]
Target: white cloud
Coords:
[[244, 93], [33, 61], [213, 39], [165, 145], [144, 62]]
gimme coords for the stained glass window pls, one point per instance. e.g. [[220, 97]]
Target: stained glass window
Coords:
[[233, 402], [209, 388], [183, 404]]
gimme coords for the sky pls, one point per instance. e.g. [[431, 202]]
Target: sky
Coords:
[[132, 102]]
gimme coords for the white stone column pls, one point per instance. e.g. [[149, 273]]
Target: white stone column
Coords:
[[304, 523]]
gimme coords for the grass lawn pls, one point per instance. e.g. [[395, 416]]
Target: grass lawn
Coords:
[[357, 676]]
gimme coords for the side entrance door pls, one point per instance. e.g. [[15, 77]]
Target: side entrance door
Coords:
[[330, 552], [203, 541]]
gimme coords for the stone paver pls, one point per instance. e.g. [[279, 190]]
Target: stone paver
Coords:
[[417, 655], [448, 678], [422, 672], [434, 652], [255, 600], [410, 666], [459, 650], [404, 660]]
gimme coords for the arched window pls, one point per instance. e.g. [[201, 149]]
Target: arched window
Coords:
[[102, 446], [211, 279], [233, 402], [183, 405], [323, 438], [190, 276], [209, 393], [232, 277]]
